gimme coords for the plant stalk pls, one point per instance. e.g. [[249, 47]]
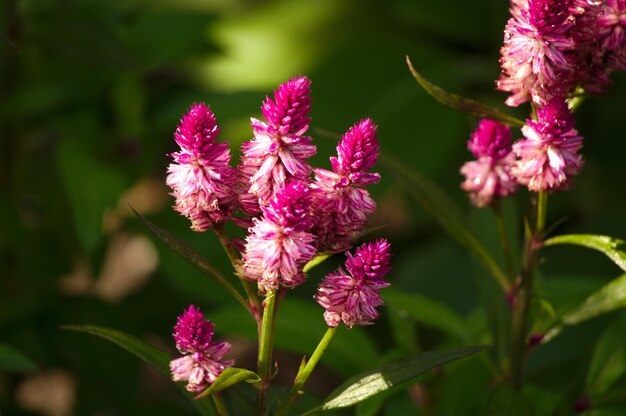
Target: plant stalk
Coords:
[[504, 239], [305, 372], [219, 405], [521, 303], [266, 346], [253, 300]]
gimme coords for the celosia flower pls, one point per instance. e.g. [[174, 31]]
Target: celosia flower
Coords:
[[201, 179], [341, 205], [202, 361], [278, 151], [352, 296], [548, 157], [279, 244], [536, 58], [489, 176], [611, 22], [601, 42]]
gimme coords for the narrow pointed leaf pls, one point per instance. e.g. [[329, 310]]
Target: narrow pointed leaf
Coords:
[[370, 383], [150, 354], [229, 377], [608, 298], [427, 311], [608, 362], [13, 360], [182, 249], [435, 202], [318, 259], [613, 248], [465, 105], [191, 256]]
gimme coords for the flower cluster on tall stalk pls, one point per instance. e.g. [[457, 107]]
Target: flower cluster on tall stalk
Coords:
[[554, 53], [291, 213]]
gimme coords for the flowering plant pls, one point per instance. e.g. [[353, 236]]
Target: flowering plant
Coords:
[[295, 216]]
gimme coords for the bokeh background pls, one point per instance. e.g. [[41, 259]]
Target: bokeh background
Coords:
[[90, 94]]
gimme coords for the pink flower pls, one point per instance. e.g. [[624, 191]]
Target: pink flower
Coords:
[[279, 150], [352, 297], [548, 157], [341, 205], [489, 176], [201, 179], [202, 360], [536, 58], [601, 42], [280, 244]]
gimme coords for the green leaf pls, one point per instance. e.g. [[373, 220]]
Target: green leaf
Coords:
[[150, 354], [608, 362], [608, 298], [13, 360], [191, 256], [613, 248], [505, 400], [372, 382], [436, 203], [428, 311], [229, 377], [465, 105], [318, 259]]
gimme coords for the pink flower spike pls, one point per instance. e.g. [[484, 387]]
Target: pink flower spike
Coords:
[[537, 58], [352, 297], [548, 157], [287, 114], [203, 360], [278, 152], [279, 244], [340, 204], [200, 177], [489, 176], [357, 151]]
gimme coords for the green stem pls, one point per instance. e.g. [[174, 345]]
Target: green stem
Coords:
[[219, 405], [305, 372], [504, 239], [253, 300], [266, 345], [542, 206], [521, 304]]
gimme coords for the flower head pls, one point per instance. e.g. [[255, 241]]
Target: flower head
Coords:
[[489, 176], [341, 205], [536, 58], [202, 360], [601, 41], [352, 297], [279, 150], [279, 243], [200, 177], [548, 157]]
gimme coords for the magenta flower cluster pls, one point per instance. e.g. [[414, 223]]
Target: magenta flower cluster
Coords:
[[553, 46], [352, 296], [203, 360], [200, 178], [553, 50], [489, 176], [291, 212]]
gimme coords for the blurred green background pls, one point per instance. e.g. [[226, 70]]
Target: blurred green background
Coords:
[[90, 94]]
